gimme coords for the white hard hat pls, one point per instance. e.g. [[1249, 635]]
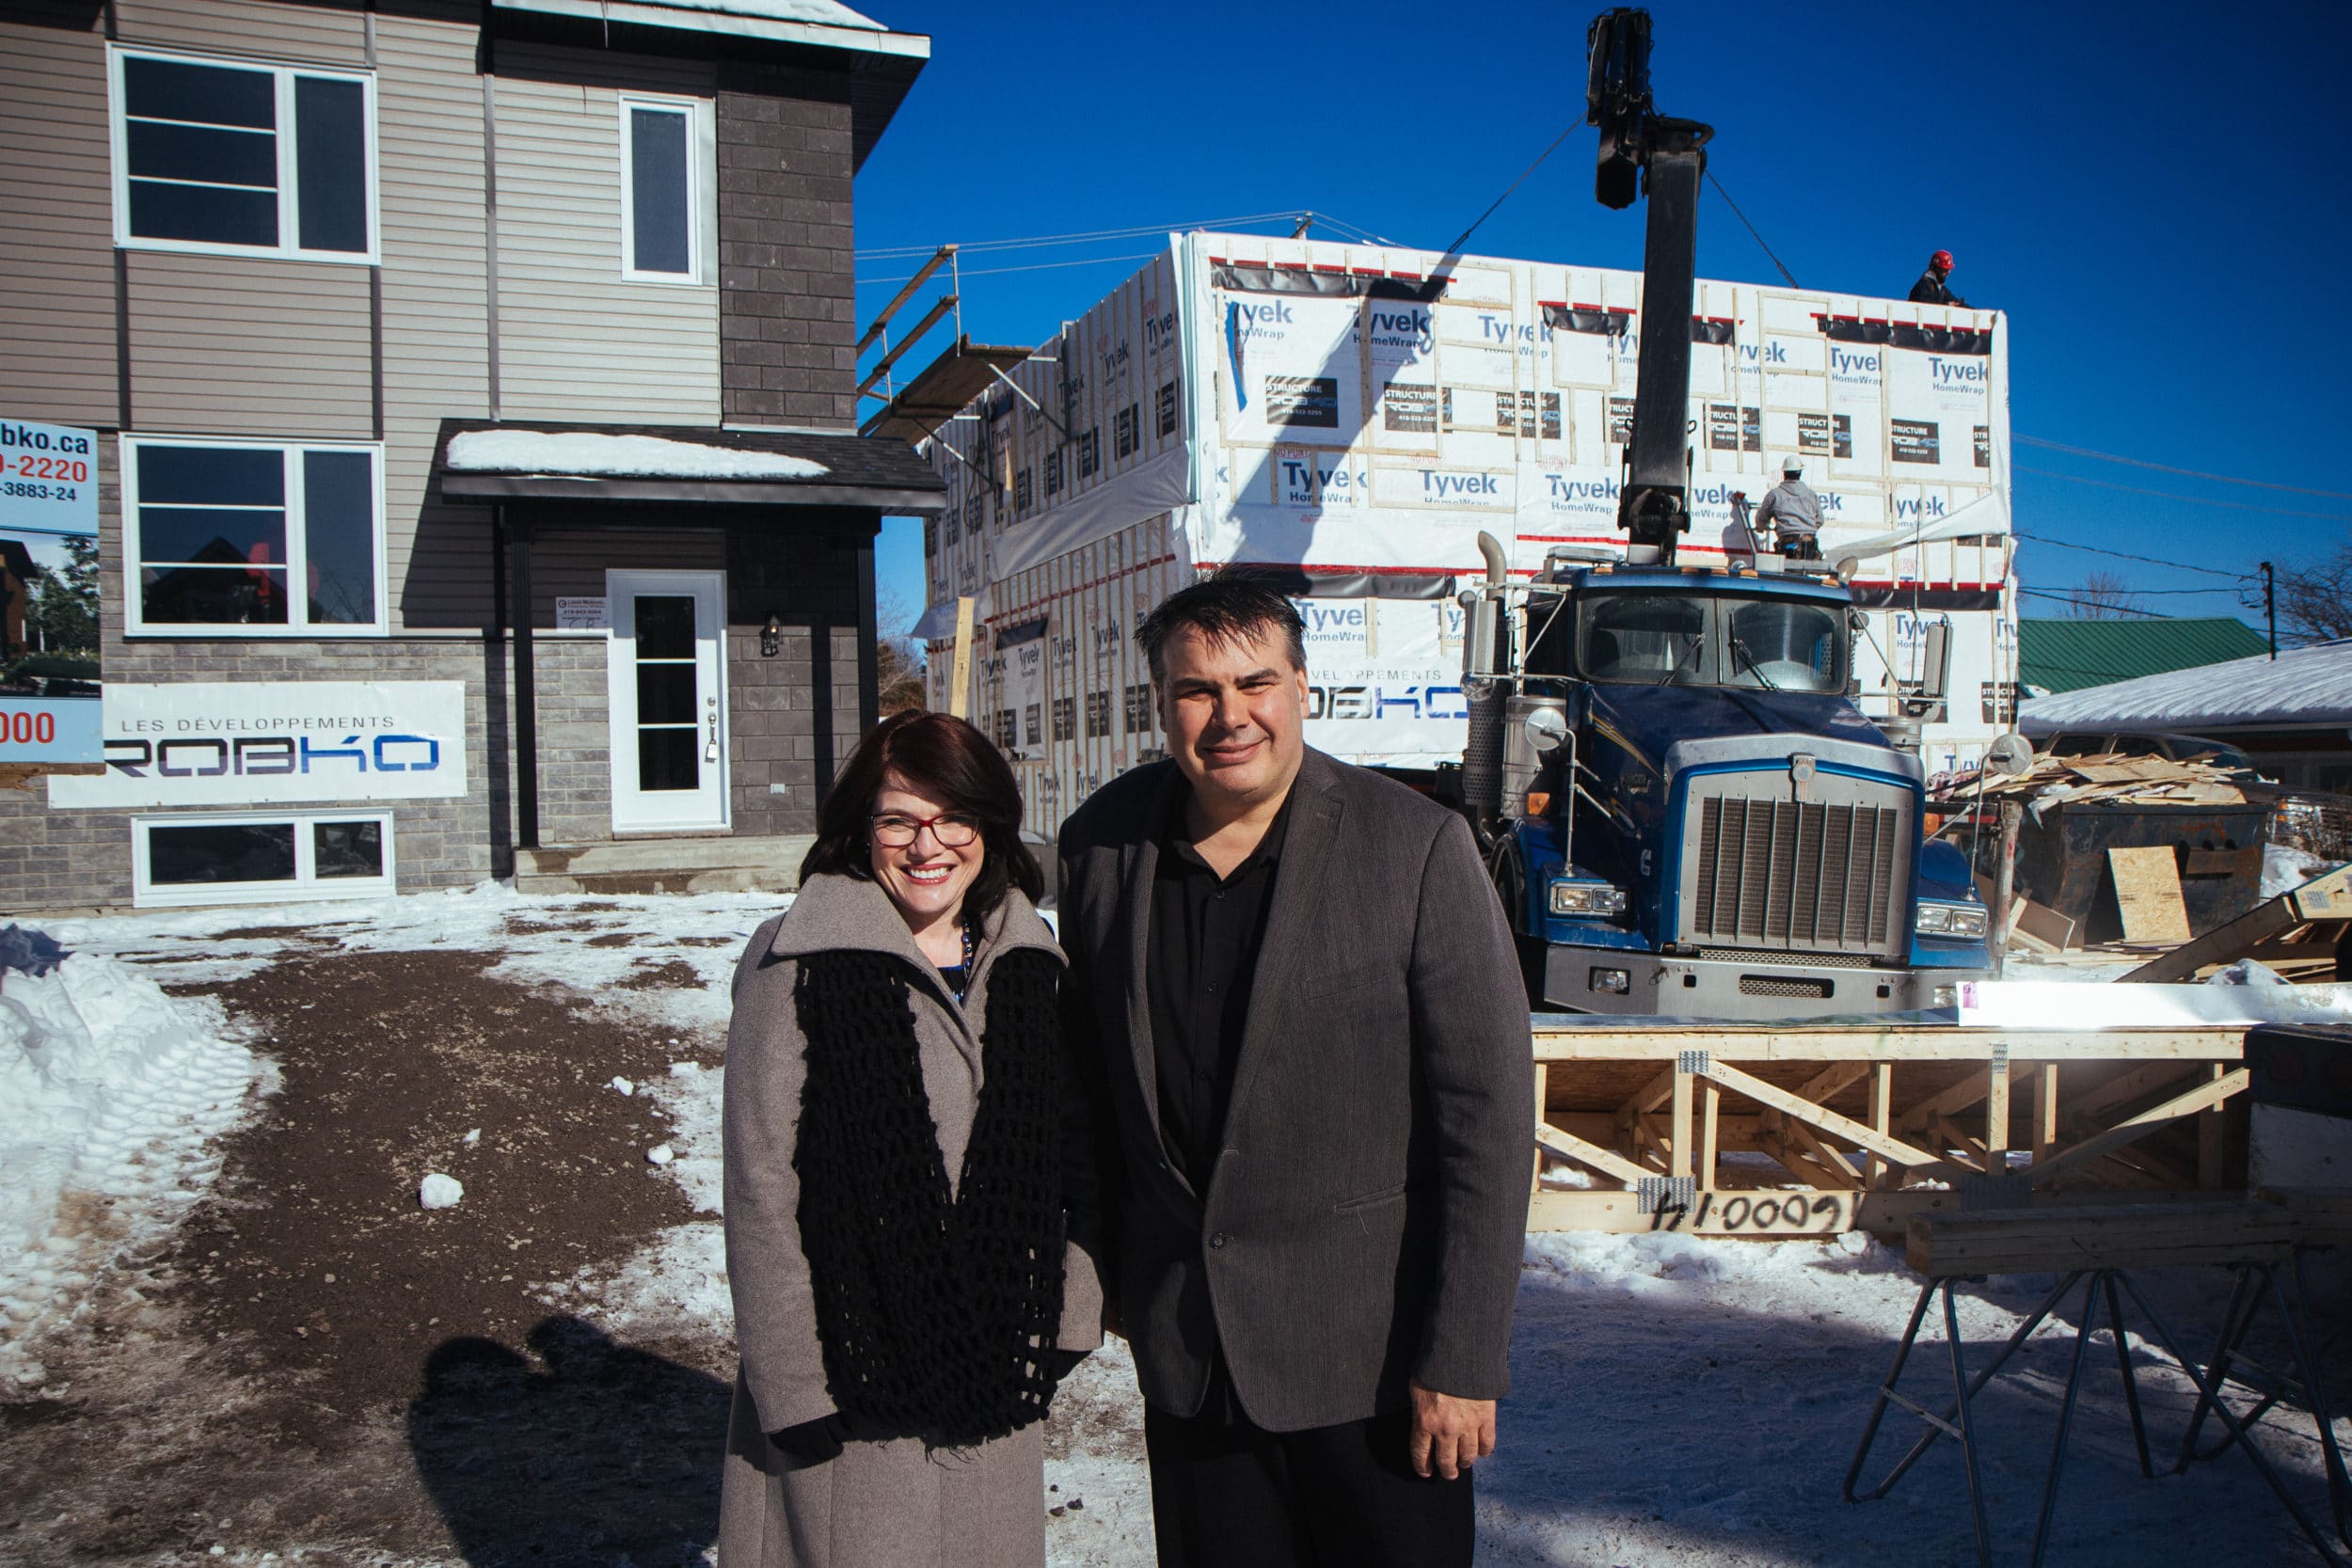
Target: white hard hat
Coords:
[[1792, 464]]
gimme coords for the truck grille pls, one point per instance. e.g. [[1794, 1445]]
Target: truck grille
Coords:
[[1833, 877]]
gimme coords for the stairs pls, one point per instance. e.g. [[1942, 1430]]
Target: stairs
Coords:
[[703, 865]]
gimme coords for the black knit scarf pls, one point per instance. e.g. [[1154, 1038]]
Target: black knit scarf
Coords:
[[936, 1312]]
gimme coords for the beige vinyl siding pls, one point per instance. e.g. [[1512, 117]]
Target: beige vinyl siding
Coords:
[[234, 345], [575, 340], [308, 34], [434, 221], [57, 229]]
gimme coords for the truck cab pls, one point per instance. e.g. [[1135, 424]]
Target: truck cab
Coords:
[[1691, 816]]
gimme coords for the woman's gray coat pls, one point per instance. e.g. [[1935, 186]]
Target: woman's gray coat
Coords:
[[879, 1505]]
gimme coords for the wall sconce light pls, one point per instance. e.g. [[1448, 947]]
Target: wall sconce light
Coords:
[[770, 639]]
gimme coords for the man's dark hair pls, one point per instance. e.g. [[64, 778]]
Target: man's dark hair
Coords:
[[954, 764], [1233, 606]]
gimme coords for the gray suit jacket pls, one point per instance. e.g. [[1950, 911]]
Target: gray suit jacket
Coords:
[[1364, 1222]]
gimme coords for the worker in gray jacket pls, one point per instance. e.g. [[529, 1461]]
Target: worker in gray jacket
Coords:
[[1793, 513]]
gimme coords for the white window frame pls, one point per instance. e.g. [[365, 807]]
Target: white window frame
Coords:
[[305, 887], [696, 112], [289, 198], [135, 622]]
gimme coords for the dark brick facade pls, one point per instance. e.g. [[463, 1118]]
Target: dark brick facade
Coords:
[[795, 716], [787, 309]]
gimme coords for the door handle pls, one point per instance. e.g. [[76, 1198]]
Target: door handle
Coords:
[[711, 751]]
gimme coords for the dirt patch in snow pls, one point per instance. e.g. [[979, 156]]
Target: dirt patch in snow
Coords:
[[670, 975], [313, 1357]]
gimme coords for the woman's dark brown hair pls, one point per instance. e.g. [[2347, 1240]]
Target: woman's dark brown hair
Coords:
[[949, 761]]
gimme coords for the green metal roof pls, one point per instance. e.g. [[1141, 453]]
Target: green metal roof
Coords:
[[2066, 654]]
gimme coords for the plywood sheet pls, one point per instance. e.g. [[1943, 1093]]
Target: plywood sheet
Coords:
[[2148, 894]]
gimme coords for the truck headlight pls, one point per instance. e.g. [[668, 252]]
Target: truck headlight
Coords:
[[1948, 920], [1569, 897]]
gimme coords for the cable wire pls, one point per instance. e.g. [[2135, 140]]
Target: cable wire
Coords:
[[2185, 501], [1750, 228], [1456, 248], [2121, 555], [2092, 604], [1033, 266], [891, 252], [2191, 473]]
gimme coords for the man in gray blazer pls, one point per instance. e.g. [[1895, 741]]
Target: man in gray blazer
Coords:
[[1303, 1091]]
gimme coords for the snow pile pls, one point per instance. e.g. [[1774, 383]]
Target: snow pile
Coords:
[[2286, 868], [579, 452], [1600, 1260], [439, 1192], [108, 1093]]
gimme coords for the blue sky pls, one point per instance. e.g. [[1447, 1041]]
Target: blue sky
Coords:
[[2156, 193]]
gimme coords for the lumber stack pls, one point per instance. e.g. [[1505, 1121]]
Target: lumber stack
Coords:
[[2109, 780], [2065, 1237]]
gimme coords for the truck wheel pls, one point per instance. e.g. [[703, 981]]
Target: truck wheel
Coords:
[[1511, 887]]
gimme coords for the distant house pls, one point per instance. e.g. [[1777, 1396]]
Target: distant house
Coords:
[[2292, 715], [2069, 654], [469, 389], [17, 573]]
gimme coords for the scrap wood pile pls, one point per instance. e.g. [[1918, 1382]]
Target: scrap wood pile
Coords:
[[2109, 780]]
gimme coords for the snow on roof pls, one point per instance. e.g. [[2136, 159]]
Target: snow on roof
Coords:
[[579, 452], [820, 13], [2304, 685]]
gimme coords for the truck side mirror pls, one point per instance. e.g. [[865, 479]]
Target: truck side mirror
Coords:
[[1935, 670]]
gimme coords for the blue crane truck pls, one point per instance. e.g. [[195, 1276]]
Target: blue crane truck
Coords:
[[1684, 811], [1686, 814]]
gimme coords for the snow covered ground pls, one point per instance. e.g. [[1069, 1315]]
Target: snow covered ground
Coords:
[[1677, 1400], [109, 1092]]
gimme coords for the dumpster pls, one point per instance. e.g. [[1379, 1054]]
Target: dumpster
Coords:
[[2218, 851]]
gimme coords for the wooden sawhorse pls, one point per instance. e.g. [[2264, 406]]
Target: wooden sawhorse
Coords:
[[2093, 1248]]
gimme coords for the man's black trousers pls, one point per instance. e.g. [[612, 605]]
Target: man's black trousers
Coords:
[[1226, 1493]]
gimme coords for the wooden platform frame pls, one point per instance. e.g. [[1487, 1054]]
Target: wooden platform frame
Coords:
[[1870, 1123]]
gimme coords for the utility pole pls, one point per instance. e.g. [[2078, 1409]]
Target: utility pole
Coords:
[[2270, 608]]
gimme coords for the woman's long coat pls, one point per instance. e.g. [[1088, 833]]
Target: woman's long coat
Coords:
[[879, 1505]]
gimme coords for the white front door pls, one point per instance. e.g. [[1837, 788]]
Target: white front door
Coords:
[[666, 671]]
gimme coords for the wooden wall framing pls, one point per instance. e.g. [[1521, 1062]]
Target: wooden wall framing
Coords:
[[1795, 1129]]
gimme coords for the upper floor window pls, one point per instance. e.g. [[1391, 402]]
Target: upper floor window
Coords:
[[228, 158], [661, 195], [252, 539]]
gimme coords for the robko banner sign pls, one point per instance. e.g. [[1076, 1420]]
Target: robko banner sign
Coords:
[[263, 742]]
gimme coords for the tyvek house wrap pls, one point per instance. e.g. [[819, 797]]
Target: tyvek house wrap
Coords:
[[1370, 411]]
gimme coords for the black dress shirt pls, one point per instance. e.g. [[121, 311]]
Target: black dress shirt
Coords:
[[1201, 961]]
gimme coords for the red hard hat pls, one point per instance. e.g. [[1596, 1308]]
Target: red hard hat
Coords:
[[1942, 260]]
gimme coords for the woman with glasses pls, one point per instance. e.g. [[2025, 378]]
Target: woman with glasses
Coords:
[[905, 1294]]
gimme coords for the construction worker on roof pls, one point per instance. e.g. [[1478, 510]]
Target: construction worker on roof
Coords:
[[1931, 289], [1793, 513]]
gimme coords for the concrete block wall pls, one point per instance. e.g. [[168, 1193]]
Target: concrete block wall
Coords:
[[575, 739], [808, 580], [787, 308]]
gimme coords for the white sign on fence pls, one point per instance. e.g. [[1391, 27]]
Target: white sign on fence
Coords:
[[260, 743], [48, 729], [48, 476]]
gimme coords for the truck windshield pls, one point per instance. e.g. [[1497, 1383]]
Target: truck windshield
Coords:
[[1647, 638], [1786, 646], [1702, 640]]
